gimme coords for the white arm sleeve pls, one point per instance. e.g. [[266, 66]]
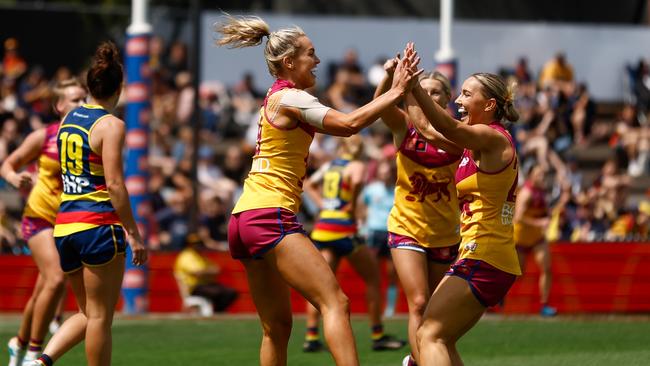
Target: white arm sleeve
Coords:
[[311, 110]]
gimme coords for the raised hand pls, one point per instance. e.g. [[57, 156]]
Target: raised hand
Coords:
[[412, 55], [406, 73], [391, 64]]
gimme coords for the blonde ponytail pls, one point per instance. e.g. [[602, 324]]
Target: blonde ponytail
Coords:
[[239, 32], [248, 31]]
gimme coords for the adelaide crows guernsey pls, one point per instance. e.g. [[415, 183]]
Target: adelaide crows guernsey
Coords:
[[335, 220], [85, 202]]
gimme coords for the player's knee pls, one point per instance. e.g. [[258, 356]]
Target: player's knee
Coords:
[[428, 333], [99, 321], [279, 328], [339, 303], [55, 281], [419, 304], [343, 302]]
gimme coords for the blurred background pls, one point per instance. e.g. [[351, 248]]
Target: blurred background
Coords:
[[583, 96]]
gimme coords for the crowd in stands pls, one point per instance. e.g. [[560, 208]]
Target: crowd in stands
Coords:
[[558, 117]]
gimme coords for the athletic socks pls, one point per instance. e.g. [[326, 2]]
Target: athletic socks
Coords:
[[45, 360], [312, 334], [22, 343], [35, 349], [35, 345], [377, 332]]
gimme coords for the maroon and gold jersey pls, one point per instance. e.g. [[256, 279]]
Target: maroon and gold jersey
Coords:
[[426, 204], [280, 161], [45, 197], [487, 201]]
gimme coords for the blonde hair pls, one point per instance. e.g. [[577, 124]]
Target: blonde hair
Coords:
[[495, 87], [249, 31], [437, 75], [58, 92]]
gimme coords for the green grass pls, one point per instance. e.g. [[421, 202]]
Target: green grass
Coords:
[[494, 341]]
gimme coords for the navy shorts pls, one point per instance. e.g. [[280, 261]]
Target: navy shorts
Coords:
[[341, 247], [92, 247]]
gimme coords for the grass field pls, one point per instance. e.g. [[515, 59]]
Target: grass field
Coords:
[[591, 341]]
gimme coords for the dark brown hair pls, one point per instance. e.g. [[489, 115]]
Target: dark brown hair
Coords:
[[104, 78]]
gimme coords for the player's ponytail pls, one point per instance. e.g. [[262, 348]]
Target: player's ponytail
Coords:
[[104, 78], [239, 32], [248, 31], [510, 112]]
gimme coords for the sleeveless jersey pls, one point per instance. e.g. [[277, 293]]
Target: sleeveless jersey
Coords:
[[280, 161], [334, 222], [487, 203], [426, 204], [527, 235], [85, 203], [45, 197]]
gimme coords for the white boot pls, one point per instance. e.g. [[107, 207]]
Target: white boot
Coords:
[[16, 354]]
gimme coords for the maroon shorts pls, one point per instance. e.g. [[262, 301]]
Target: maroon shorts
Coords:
[[442, 255], [34, 225], [252, 233], [489, 284]]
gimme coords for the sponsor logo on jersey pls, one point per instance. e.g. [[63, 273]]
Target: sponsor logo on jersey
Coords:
[[423, 187]]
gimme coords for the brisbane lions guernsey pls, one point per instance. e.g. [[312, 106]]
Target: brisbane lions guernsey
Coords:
[[487, 202], [426, 205], [44, 199]]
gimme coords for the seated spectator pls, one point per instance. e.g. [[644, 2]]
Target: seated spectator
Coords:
[[582, 113], [641, 230], [9, 138], [173, 222], [8, 241], [340, 94], [13, 65], [641, 86], [631, 141], [522, 72], [213, 222], [556, 71], [633, 225], [196, 274]]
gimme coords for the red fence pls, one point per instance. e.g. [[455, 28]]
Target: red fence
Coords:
[[587, 278]]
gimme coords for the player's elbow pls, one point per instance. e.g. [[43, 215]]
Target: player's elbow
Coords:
[[351, 126], [115, 186]]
